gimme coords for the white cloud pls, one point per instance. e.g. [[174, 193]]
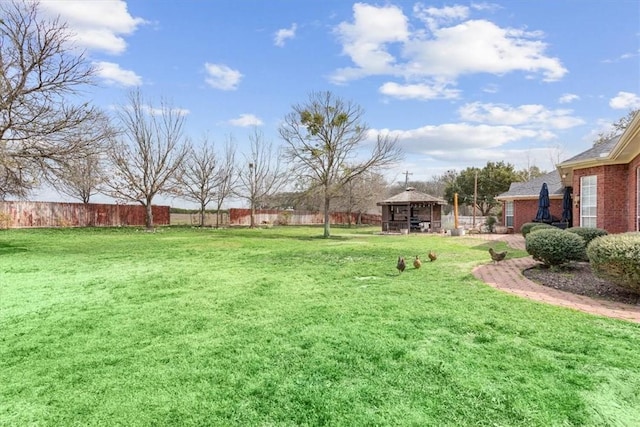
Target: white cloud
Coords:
[[283, 34], [365, 40], [530, 115], [625, 100], [568, 98], [438, 52], [453, 137], [246, 120], [98, 25], [220, 76], [435, 17], [418, 91], [113, 74], [460, 145]]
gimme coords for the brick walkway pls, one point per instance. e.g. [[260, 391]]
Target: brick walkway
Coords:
[[507, 276]]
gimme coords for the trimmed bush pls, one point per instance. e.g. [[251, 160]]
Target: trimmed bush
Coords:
[[588, 233], [540, 226], [553, 246], [526, 228], [617, 258]]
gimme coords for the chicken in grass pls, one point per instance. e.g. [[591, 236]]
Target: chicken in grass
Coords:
[[401, 264], [432, 256], [497, 256], [417, 263]]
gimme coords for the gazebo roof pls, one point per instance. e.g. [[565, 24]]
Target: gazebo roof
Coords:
[[410, 195]]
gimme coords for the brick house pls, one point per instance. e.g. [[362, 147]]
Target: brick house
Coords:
[[605, 184], [520, 202]]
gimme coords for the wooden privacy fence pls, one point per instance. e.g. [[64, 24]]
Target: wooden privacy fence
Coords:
[[21, 214], [293, 217], [210, 219]]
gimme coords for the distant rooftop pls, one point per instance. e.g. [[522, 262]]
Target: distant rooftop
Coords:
[[410, 195], [532, 188]]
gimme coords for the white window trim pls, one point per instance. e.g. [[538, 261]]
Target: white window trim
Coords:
[[506, 213], [585, 197], [638, 199]]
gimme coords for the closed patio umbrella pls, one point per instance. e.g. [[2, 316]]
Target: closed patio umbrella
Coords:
[[543, 214], [566, 207]]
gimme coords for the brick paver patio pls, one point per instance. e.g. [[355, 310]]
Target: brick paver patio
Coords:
[[507, 276]]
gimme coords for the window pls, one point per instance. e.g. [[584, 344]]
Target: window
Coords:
[[508, 213], [588, 201]]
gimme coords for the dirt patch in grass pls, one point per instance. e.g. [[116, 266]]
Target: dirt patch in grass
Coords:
[[578, 278]]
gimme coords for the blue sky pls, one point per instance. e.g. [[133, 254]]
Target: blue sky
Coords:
[[459, 84]]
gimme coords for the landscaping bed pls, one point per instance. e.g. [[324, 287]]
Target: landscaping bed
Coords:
[[578, 278]]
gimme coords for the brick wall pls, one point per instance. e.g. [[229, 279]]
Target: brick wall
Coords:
[[633, 216], [525, 211], [613, 194]]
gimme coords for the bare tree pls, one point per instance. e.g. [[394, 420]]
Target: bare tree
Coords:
[[197, 176], [324, 143], [148, 154], [39, 73], [616, 128], [262, 174], [227, 178], [206, 177], [361, 194], [83, 177]]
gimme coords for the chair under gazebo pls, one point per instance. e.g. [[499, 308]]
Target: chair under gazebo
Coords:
[[410, 211]]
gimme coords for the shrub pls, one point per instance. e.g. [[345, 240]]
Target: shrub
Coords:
[[540, 226], [490, 223], [554, 246], [526, 227], [617, 258], [588, 233]]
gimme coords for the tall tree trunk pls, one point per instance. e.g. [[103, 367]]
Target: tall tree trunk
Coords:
[[202, 208], [149, 216], [327, 219], [253, 215]]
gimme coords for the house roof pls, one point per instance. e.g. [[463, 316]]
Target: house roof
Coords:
[[531, 188], [596, 152], [621, 149], [410, 195]]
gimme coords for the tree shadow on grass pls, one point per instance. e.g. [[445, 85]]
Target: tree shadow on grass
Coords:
[[7, 248]]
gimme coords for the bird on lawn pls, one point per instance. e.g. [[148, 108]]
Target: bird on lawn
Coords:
[[497, 256], [432, 256], [417, 263], [401, 264]]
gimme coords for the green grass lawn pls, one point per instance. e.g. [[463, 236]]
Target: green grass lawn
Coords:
[[281, 327]]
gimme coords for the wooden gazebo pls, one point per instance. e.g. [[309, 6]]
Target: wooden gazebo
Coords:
[[412, 210]]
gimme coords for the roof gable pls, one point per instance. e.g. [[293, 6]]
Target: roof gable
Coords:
[[531, 189], [410, 195], [621, 148]]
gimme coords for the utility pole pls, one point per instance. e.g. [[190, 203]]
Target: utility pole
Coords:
[[475, 198], [406, 179]]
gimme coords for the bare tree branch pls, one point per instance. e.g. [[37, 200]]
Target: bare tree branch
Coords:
[[325, 144], [262, 175], [39, 74], [149, 153]]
